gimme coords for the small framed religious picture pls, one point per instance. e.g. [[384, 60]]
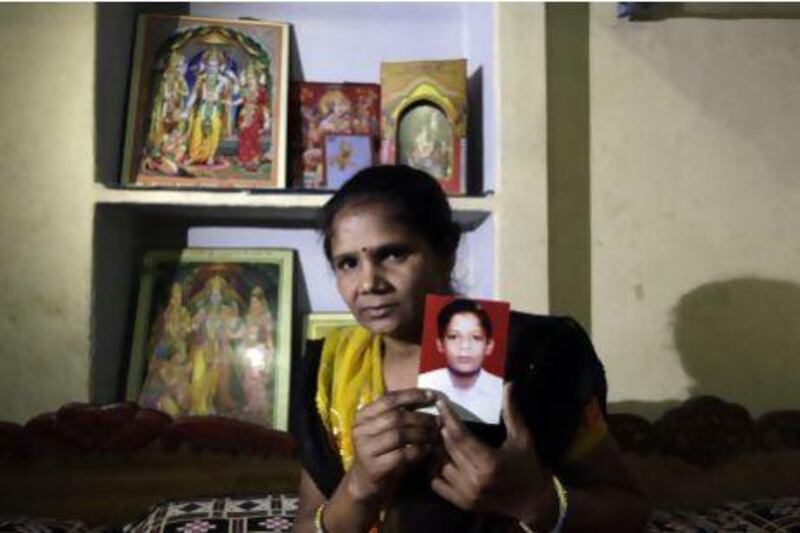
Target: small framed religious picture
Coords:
[[319, 324], [343, 156], [208, 104], [463, 354], [213, 334], [424, 119], [319, 110]]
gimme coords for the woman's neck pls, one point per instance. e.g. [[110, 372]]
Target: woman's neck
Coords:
[[400, 363]]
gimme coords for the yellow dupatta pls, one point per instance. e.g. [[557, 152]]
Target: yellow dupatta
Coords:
[[350, 376]]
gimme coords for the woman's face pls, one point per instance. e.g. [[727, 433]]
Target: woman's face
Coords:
[[384, 270]]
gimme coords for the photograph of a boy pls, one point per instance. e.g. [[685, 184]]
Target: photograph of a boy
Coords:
[[465, 336]]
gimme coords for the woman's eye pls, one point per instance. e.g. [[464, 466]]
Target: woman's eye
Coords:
[[345, 263], [396, 254]]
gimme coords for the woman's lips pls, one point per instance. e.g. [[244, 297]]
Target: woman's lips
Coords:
[[375, 312]]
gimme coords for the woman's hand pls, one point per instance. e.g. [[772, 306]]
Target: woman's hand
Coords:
[[508, 480], [388, 437]]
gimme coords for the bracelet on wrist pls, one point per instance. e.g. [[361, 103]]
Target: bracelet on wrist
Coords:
[[563, 504], [318, 523]]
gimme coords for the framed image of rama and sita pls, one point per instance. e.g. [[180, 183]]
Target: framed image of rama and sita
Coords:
[[213, 334], [207, 104]]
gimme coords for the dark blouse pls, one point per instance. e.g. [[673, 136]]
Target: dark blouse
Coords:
[[555, 372]]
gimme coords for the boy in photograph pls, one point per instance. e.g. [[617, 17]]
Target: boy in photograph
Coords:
[[465, 337]]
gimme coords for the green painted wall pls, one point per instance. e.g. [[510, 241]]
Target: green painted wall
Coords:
[[695, 208], [568, 183], [46, 169]]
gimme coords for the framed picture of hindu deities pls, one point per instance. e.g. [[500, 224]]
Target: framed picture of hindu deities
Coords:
[[343, 156], [319, 324], [424, 119], [318, 110], [208, 104], [213, 334]]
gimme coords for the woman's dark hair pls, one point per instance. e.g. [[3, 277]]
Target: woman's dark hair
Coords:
[[415, 199], [463, 305]]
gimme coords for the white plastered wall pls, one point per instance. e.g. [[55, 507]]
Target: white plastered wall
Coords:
[[695, 202], [46, 169]]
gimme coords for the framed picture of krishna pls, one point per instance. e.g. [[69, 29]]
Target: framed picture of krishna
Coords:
[[213, 334], [207, 104]]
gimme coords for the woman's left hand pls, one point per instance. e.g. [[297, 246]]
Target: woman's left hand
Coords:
[[508, 480]]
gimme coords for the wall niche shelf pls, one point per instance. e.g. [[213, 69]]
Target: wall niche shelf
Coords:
[[274, 207], [329, 46]]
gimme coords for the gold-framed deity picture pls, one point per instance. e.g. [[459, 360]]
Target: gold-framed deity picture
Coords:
[[207, 104], [213, 334], [424, 119], [319, 324]]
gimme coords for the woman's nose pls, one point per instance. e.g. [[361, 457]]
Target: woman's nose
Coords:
[[369, 279]]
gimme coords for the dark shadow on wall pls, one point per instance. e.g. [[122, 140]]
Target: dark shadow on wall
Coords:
[[475, 183], [740, 340]]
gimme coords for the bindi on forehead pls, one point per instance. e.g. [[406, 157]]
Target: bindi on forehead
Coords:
[[369, 250]]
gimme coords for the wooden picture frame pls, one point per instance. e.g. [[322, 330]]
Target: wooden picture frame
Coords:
[[213, 334], [343, 155], [319, 324], [208, 104]]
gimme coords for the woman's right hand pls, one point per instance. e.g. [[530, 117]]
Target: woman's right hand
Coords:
[[388, 437]]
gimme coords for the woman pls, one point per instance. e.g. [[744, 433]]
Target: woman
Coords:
[[371, 461], [253, 115]]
